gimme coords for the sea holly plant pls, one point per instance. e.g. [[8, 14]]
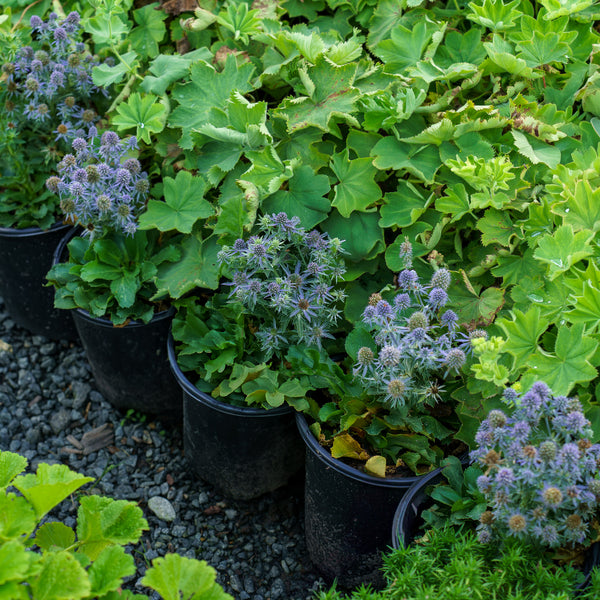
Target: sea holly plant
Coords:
[[263, 343], [111, 268], [540, 470], [49, 99], [42, 557], [406, 351]]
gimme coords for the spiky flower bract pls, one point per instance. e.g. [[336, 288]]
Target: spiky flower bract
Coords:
[[285, 277], [415, 336], [544, 469], [96, 188]]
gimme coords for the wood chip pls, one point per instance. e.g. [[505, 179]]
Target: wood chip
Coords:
[[98, 438], [75, 442], [169, 479], [176, 7]]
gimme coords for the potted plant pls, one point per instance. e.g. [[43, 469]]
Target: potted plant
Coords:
[[372, 440], [49, 99], [108, 275], [246, 357]]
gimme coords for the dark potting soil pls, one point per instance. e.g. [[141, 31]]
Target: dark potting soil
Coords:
[[50, 411]]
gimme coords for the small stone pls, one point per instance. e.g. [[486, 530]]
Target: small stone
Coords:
[[230, 513], [59, 420], [81, 391], [162, 508]]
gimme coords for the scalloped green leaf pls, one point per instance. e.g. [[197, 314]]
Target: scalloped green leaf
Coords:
[[535, 150], [108, 570], [523, 332], [54, 536], [11, 464], [61, 577], [17, 517], [175, 577], [15, 562], [149, 31], [143, 113], [49, 486]]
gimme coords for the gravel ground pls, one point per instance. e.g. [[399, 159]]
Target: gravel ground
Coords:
[[48, 403]]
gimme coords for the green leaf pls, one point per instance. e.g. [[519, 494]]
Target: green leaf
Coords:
[[106, 28], [582, 208], [150, 30], [502, 53], [196, 268], [14, 563], [570, 363], [268, 171], [17, 517], [455, 202], [358, 338], [587, 308], [421, 161], [405, 46], [61, 577], [402, 207], [107, 572], [168, 68], [103, 75], [125, 289], [473, 307], [362, 236], [11, 464], [184, 204], [175, 577], [95, 270], [143, 113], [49, 486], [496, 227], [535, 150], [356, 190], [304, 198], [437, 133], [54, 536], [331, 94], [494, 14], [103, 522], [544, 48], [206, 89], [523, 332], [563, 249]]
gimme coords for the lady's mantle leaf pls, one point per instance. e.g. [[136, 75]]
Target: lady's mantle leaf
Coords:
[[345, 446], [61, 578], [421, 161], [142, 112], [356, 189], [11, 465], [150, 30], [108, 570], [184, 204], [330, 94], [304, 198], [167, 68], [494, 14], [49, 486], [563, 249], [363, 238], [523, 332], [536, 151], [570, 363], [207, 89], [175, 577], [17, 517], [582, 208], [587, 308]]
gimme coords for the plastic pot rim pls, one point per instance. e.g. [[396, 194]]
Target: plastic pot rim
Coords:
[[347, 470], [9, 232], [104, 322], [238, 411]]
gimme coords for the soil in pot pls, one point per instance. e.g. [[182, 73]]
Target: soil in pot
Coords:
[[348, 515], [25, 258], [243, 451]]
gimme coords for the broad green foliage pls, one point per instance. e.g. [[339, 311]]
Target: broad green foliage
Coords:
[[53, 562]]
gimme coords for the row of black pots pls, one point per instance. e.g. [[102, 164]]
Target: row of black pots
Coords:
[[244, 452]]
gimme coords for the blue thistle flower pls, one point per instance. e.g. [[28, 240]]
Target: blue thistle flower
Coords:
[[441, 279]]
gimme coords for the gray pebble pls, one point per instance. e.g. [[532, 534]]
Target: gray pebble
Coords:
[[162, 508]]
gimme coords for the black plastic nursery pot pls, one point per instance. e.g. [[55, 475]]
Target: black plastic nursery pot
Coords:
[[244, 452], [25, 258], [348, 515], [407, 519], [130, 363]]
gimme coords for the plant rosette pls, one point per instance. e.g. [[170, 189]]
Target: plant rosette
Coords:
[[398, 415], [49, 99], [264, 343]]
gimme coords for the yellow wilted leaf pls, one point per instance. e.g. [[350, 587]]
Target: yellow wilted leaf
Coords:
[[376, 466], [345, 446]]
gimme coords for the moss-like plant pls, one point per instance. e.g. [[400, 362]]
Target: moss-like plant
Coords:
[[452, 563], [46, 559]]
